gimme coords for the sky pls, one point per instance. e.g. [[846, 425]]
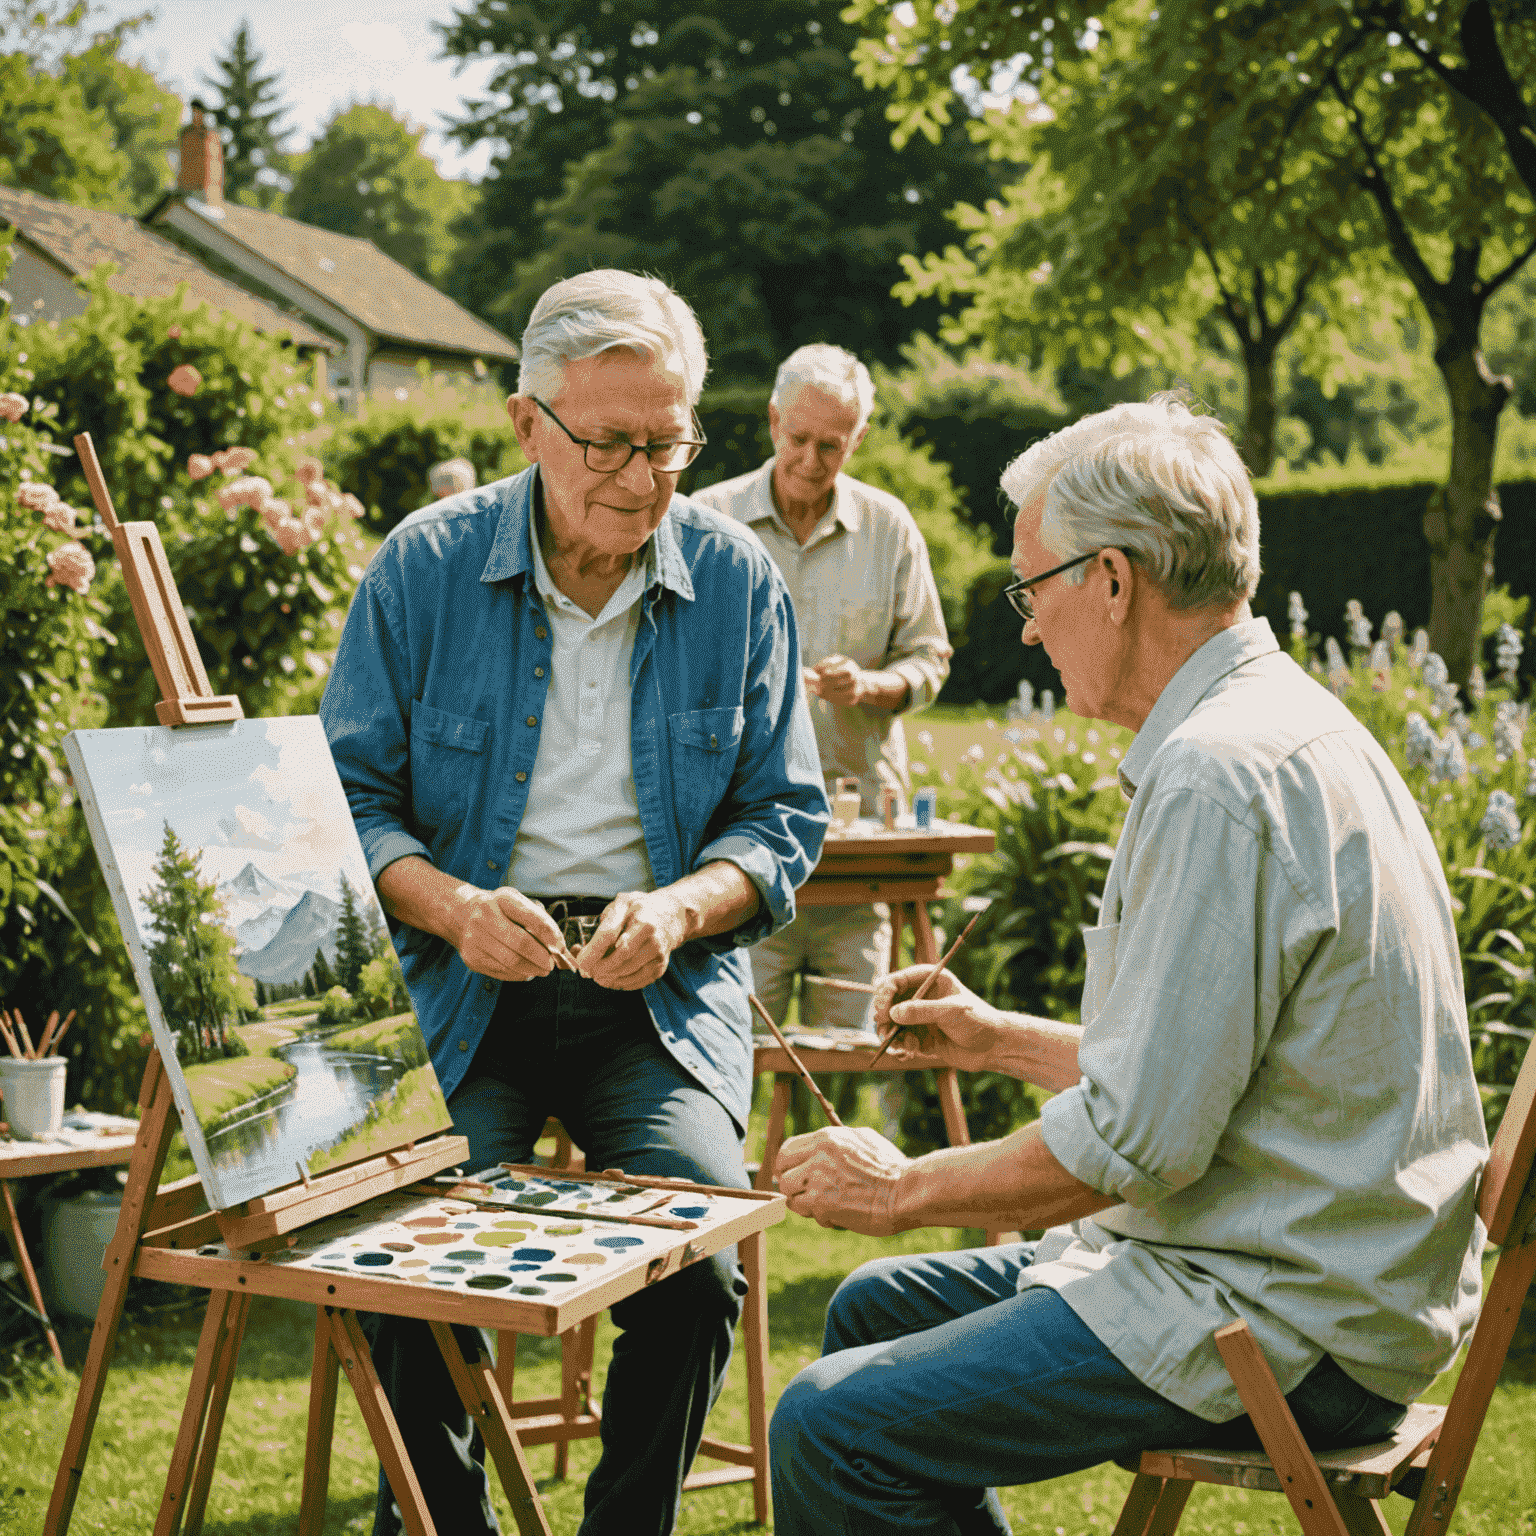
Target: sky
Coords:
[[326, 53], [264, 792]]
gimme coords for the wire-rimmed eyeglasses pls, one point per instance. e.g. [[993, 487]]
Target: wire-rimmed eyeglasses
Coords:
[[669, 457], [1017, 592]]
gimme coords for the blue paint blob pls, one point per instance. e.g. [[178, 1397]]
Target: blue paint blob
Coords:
[[690, 1210], [447, 1269], [373, 1259], [563, 1184], [466, 1226], [514, 1268], [615, 1242], [543, 1255]]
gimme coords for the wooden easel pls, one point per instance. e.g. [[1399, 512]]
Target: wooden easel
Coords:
[[177, 1216]]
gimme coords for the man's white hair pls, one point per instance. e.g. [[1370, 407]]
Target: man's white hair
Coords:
[[834, 371], [1160, 483], [596, 311]]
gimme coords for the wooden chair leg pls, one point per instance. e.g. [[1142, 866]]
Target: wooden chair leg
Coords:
[[205, 1365], [578, 1346], [1153, 1507], [754, 1260], [352, 1348], [506, 1364], [208, 1449], [1303, 1481], [322, 1424], [925, 949], [24, 1264], [901, 914], [777, 1110], [476, 1384], [1362, 1517]]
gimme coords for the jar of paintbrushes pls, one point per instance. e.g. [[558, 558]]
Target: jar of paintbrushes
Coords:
[[32, 1074]]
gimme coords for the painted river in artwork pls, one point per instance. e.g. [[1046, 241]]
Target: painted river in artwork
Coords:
[[330, 1095]]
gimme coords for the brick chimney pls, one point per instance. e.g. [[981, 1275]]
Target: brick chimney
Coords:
[[202, 158]]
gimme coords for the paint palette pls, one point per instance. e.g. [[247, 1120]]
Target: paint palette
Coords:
[[537, 1262]]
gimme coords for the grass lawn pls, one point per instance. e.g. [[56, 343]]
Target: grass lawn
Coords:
[[220, 1086]]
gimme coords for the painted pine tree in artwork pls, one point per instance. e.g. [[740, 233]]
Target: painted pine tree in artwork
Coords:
[[324, 977], [353, 950], [192, 958]]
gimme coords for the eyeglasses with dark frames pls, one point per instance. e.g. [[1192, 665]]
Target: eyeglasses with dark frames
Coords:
[[1017, 592], [607, 458]]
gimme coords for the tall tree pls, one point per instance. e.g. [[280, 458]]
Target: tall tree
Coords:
[[192, 958], [250, 112], [365, 175], [730, 149], [1425, 111], [352, 948]]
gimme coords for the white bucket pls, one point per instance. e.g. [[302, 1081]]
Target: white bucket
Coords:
[[34, 1094], [75, 1237]]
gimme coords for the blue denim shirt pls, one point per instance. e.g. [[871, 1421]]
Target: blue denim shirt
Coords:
[[433, 707]]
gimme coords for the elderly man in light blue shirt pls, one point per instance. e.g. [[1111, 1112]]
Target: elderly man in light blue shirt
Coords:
[[1268, 1112]]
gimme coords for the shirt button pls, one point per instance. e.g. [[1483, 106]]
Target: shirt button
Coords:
[[492, 864], [463, 1045], [713, 742], [533, 719], [538, 671], [541, 633], [487, 986], [522, 778]]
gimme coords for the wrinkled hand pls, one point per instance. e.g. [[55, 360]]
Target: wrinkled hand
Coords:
[[840, 680], [953, 1023], [843, 1178], [502, 933], [634, 940]]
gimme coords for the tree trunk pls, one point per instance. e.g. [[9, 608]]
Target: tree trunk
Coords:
[[1463, 516], [1258, 443]]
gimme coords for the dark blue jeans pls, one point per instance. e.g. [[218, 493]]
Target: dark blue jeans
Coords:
[[938, 1381], [561, 1045]]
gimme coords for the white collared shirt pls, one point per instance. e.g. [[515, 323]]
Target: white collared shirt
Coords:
[[1277, 1078], [580, 834]]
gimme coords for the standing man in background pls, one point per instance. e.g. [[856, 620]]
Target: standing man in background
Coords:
[[870, 626]]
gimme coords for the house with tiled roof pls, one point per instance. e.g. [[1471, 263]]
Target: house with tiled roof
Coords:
[[56, 243], [387, 319]]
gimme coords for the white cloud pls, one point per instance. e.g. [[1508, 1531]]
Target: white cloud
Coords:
[[128, 813], [245, 828], [140, 789], [381, 40]]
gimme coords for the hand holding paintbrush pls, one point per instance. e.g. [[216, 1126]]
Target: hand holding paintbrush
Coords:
[[923, 990]]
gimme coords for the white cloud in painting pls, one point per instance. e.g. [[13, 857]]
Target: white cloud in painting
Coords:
[[128, 813], [245, 828]]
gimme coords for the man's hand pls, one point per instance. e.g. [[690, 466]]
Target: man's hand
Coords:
[[952, 1022], [840, 680], [503, 934], [633, 942], [843, 1178]]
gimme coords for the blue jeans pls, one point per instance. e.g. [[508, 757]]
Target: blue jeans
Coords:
[[561, 1045], [938, 1381]]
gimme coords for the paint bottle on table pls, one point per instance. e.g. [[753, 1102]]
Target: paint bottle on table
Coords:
[[888, 808], [845, 804], [924, 804]]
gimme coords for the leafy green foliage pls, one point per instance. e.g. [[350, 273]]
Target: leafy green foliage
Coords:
[[730, 150], [141, 115], [366, 176], [383, 455], [51, 142], [336, 1007]]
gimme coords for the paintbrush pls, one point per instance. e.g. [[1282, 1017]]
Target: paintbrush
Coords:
[[922, 991], [618, 1176], [22, 1031], [840, 984], [10, 1039], [58, 1039], [799, 1066], [675, 1223], [47, 1034]]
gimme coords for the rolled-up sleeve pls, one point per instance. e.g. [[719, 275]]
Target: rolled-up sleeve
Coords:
[[366, 714], [774, 818], [919, 648], [1176, 1009]]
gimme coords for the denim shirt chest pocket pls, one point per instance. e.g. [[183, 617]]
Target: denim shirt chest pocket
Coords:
[[1101, 944], [445, 765], [705, 744]]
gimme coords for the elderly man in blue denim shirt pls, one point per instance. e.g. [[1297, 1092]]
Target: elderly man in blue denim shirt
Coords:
[[568, 714]]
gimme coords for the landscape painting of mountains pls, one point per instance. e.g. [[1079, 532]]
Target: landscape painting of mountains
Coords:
[[259, 946]]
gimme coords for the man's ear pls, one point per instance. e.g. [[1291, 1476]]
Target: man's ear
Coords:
[[525, 417], [1121, 581]]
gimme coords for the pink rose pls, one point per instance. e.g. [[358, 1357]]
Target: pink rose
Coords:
[[60, 517], [290, 536], [185, 380], [314, 522], [249, 491], [174, 332], [275, 510], [309, 471], [35, 496], [199, 466], [71, 566], [12, 406], [233, 460]]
